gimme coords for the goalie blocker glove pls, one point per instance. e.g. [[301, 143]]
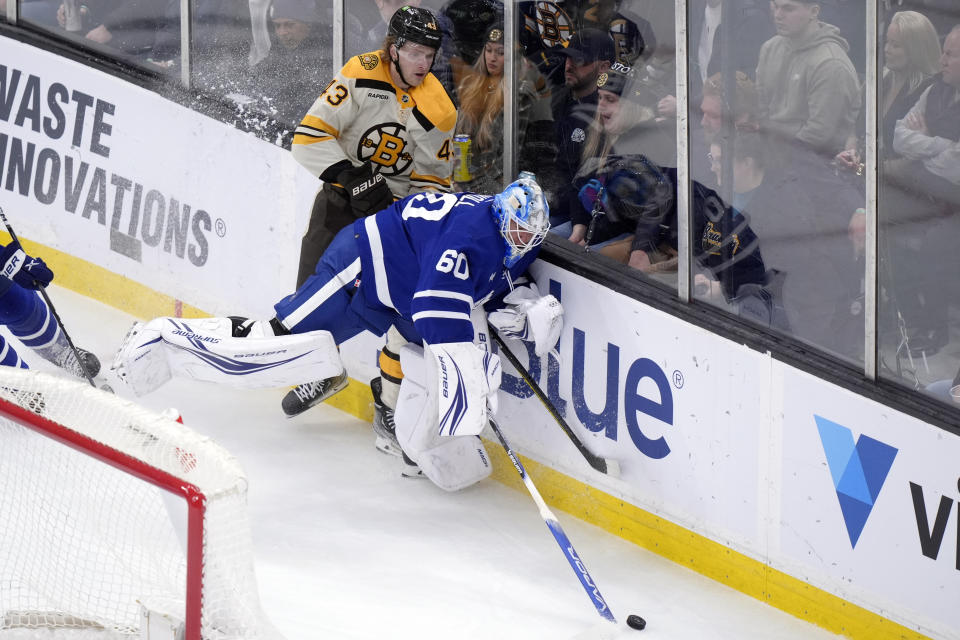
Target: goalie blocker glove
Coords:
[[531, 317], [366, 191]]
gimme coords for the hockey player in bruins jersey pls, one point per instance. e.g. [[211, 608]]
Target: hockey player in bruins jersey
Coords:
[[380, 130]]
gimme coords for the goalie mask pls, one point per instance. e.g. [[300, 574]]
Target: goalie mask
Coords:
[[636, 190], [523, 216], [413, 24]]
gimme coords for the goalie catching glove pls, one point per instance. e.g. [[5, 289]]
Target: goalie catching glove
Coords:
[[530, 316]]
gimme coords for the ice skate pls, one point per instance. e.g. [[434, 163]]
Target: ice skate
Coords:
[[306, 395], [383, 424], [89, 362], [60, 354], [410, 468]]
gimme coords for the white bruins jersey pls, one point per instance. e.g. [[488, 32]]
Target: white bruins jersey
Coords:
[[362, 115]]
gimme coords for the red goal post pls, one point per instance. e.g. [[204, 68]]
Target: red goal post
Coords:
[[88, 534]]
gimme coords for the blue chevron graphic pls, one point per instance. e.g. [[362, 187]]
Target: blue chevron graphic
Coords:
[[228, 366], [858, 470]]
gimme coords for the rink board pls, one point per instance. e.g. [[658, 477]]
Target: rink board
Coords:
[[152, 191], [813, 499]]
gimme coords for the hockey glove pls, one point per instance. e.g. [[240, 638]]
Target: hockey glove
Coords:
[[530, 316], [366, 191], [28, 272]]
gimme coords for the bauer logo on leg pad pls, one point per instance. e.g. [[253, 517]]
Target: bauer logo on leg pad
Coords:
[[205, 349], [460, 376]]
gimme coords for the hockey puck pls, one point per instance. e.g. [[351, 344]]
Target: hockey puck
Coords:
[[636, 622]]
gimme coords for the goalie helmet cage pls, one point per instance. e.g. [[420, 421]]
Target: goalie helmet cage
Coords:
[[91, 490]]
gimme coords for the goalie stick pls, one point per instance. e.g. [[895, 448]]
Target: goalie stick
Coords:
[[56, 316], [579, 568], [603, 465]]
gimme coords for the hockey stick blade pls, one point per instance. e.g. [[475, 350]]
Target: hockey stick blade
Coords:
[[603, 465], [553, 524]]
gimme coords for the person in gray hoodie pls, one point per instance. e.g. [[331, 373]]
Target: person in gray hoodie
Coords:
[[809, 91]]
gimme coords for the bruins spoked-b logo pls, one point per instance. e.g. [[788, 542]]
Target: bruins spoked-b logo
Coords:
[[384, 144], [554, 25]]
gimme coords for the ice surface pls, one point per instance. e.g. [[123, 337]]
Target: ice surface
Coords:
[[346, 548]]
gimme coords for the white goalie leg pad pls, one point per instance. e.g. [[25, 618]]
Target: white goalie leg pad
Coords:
[[464, 377], [451, 463], [204, 349], [141, 361]]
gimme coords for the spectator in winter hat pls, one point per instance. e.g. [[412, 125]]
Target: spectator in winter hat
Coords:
[[299, 61]]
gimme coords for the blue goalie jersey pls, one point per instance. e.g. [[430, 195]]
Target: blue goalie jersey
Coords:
[[432, 258]]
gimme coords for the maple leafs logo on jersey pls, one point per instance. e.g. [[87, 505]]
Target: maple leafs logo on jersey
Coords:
[[369, 61]]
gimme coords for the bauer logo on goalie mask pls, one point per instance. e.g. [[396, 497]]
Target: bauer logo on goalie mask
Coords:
[[524, 218]]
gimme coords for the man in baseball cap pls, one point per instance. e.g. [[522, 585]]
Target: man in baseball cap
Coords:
[[589, 53], [589, 45]]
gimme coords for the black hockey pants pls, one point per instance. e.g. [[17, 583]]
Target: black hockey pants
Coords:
[[331, 212]]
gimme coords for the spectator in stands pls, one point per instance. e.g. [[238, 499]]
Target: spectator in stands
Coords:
[[930, 132], [942, 13], [469, 22], [921, 200], [286, 81], [589, 54], [128, 26], [744, 115], [547, 27], [623, 129], [803, 238], [809, 92], [752, 26], [480, 168], [911, 59], [481, 95]]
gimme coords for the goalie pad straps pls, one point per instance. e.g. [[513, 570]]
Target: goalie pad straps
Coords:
[[205, 349]]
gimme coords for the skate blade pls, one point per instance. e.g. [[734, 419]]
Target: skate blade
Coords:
[[387, 446]]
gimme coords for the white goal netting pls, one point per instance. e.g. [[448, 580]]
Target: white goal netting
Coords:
[[88, 532]]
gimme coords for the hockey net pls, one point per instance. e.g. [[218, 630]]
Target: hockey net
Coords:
[[92, 490]]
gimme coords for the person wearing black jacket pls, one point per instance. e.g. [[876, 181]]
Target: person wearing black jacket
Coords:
[[286, 81]]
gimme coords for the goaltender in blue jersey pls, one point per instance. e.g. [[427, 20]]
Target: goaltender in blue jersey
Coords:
[[422, 271]]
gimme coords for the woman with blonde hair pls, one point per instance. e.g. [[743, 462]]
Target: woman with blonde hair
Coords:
[[481, 94], [911, 60]]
